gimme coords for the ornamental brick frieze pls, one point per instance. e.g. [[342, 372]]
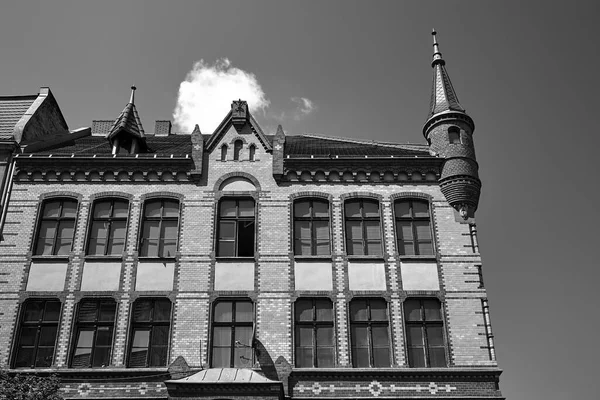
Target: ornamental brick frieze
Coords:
[[346, 176], [38, 175]]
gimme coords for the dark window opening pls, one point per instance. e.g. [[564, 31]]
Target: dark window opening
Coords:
[[151, 322], [369, 332], [251, 152], [108, 228], [160, 228], [37, 334], [94, 333], [237, 148], [454, 135], [315, 344], [413, 227], [56, 227], [311, 228], [363, 231], [224, 153], [232, 334], [424, 333], [236, 228]]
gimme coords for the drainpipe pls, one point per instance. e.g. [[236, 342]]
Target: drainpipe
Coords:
[[5, 198]]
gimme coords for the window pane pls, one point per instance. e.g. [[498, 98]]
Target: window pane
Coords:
[[24, 358], [107, 311], [162, 310], [52, 311], [243, 312], [321, 229], [87, 311], [243, 336], [51, 209], [435, 336], [142, 310], [246, 208], [101, 357], [171, 209], [416, 357], [302, 209], [33, 311], [356, 248], [412, 310], [414, 336], [437, 357], [69, 209], [374, 248], [226, 249], [221, 357], [381, 357], [359, 336], [47, 336], [423, 230], [158, 356], [27, 336], [85, 339], [81, 358], [321, 209], [380, 336], [324, 310], [432, 310], [302, 229], [304, 310], [120, 209], [169, 230], [323, 248], [304, 335], [227, 230], [420, 209], [378, 310], [405, 230], [408, 249], [425, 249], [371, 209], [138, 357], [353, 230], [242, 357], [245, 239], [358, 310], [352, 209], [325, 357], [151, 230], [360, 357], [160, 336], [104, 336], [44, 357], [304, 357], [102, 209], [227, 208], [324, 336], [141, 338], [153, 209], [223, 311], [402, 209]]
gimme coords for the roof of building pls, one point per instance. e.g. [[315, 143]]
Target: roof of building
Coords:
[[128, 121], [12, 108], [225, 375]]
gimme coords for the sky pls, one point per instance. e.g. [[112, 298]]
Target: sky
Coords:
[[525, 72]]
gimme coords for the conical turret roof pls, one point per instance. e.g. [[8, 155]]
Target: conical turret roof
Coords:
[[129, 120]]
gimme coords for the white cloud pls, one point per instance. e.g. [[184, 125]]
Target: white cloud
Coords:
[[206, 94], [305, 107]]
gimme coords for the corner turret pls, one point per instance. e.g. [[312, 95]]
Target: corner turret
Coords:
[[449, 132]]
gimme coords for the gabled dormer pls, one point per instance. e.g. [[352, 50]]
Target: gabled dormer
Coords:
[[126, 136]]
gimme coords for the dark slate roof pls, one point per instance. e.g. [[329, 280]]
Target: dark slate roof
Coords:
[[129, 121], [323, 146], [12, 109], [443, 95], [178, 145]]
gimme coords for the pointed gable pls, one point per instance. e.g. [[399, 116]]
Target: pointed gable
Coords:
[[128, 121], [239, 117]]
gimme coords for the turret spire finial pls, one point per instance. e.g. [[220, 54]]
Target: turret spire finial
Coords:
[[437, 55], [132, 99]]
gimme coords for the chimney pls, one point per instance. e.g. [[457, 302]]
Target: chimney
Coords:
[[162, 128]]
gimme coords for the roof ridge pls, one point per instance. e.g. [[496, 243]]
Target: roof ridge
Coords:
[[364, 141]]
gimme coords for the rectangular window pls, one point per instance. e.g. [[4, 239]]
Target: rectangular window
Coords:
[[363, 230], [369, 331], [236, 221], [160, 229], [413, 227], [232, 334], [424, 333], [108, 228], [56, 227], [314, 333], [37, 333], [94, 333], [311, 228], [151, 323]]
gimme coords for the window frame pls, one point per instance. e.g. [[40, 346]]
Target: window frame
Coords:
[[369, 323], [252, 152], [233, 324], [58, 220], [315, 324], [94, 326], [111, 219], [160, 220], [413, 220], [38, 325], [425, 325], [313, 233], [238, 145], [149, 326], [362, 219], [223, 153], [237, 220], [454, 135]]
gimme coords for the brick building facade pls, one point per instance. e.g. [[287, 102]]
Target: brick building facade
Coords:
[[240, 264]]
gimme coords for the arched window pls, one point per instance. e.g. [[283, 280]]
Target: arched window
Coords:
[[413, 227], [363, 231], [56, 227], [150, 326], [311, 227], [108, 228], [251, 152], [237, 148], [454, 135], [37, 334], [159, 228], [369, 332], [94, 333], [424, 333], [232, 328], [236, 221], [314, 333], [224, 152]]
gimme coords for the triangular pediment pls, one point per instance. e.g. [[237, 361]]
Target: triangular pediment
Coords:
[[240, 119]]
